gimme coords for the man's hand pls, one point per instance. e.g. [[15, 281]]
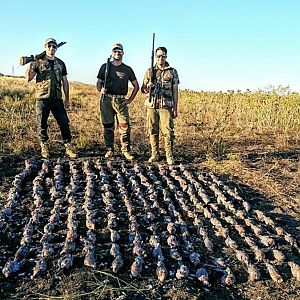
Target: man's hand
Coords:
[[103, 91], [128, 100], [149, 86], [30, 73], [66, 103], [33, 65], [175, 113]]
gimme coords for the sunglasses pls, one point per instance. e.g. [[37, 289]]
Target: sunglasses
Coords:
[[53, 46], [117, 51], [161, 56]]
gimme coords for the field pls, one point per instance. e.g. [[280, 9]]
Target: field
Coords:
[[223, 223]]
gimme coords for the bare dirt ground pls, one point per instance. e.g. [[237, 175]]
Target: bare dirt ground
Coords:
[[226, 217]]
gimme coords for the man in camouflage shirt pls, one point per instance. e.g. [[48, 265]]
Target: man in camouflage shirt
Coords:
[[162, 87], [114, 103], [51, 75]]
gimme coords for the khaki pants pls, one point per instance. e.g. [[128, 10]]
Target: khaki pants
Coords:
[[111, 107], [162, 119]]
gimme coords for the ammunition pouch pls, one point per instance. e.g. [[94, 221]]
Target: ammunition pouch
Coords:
[[164, 101]]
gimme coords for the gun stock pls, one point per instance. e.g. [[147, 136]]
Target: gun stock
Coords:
[[27, 59]]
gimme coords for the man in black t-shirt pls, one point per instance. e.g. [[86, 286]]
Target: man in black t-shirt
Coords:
[[113, 101], [51, 76]]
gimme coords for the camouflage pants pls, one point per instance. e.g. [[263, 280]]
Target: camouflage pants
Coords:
[[162, 119], [111, 107], [43, 109]]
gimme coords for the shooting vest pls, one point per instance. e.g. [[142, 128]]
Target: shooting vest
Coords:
[[45, 77], [162, 94]]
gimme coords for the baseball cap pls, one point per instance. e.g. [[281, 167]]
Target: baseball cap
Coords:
[[117, 45], [50, 40]]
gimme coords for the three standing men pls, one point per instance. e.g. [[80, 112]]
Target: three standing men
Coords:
[[51, 75], [162, 86], [113, 102]]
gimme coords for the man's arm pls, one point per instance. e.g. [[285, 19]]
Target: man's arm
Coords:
[[146, 83], [99, 85], [65, 84], [175, 99], [134, 91], [30, 73]]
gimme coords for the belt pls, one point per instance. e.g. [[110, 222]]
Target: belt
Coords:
[[115, 96]]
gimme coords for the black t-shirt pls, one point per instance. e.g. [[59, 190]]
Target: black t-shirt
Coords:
[[118, 77]]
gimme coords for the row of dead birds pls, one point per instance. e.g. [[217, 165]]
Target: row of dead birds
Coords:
[[186, 184], [265, 240], [182, 270], [55, 186], [14, 265], [13, 196], [258, 214], [134, 237], [201, 273], [108, 199], [89, 241]]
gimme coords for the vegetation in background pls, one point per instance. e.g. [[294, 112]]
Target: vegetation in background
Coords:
[[209, 123]]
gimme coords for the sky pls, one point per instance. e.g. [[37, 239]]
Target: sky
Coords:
[[215, 45]]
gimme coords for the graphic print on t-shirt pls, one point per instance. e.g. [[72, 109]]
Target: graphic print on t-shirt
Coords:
[[120, 74]]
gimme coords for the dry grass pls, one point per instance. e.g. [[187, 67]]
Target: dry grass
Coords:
[[215, 123]]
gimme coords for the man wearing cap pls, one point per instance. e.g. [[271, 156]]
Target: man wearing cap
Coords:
[[114, 102], [161, 104], [51, 75]]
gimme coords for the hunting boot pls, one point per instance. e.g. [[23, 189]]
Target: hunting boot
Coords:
[[154, 149], [170, 159], [109, 153], [169, 151], [127, 155], [44, 150], [70, 151]]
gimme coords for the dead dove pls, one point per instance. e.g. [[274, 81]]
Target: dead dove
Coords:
[[276, 277], [202, 275], [228, 278], [11, 267], [66, 261], [39, 268], [175, 254], [182, 272], [194, 258], [242, 256], [278, 255], [117, 263], [172, 241], [114, 250], [90, 259], [137, 266], [161, 271], [253, 272], [295, 270]]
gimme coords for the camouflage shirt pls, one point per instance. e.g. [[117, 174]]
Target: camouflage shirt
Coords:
[[49, 78], [163, 86]]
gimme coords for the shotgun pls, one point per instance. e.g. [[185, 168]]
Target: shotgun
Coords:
[[27, 59]]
